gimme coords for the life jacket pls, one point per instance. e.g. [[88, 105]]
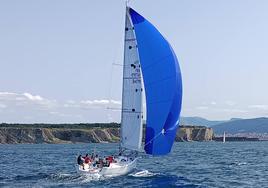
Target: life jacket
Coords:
[[87, 160], [110, 159]]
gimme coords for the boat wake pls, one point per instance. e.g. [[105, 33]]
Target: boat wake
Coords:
[[89, 178], [63, 177], [143, 173], [69, 179]]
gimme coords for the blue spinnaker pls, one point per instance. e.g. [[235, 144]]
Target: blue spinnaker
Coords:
[[163, 86]]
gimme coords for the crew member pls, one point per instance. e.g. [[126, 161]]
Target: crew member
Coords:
[[80, 161]]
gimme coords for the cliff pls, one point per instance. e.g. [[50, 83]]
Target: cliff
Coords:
[[194, 133], [9, 135]]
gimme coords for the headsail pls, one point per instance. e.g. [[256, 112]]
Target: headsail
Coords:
[[163, 86], [131, 118]]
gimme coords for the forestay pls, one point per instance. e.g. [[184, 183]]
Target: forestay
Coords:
[[131, 117]]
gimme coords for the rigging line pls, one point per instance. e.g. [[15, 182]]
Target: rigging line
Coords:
[[110, 108], [130, 112], [110, 88], [112, 73], [156, 137], [153, 139], [110, 82], [94, 107], [118, 64]]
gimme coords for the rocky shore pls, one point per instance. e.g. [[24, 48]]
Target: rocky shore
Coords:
[[194, 133], [11, 135]]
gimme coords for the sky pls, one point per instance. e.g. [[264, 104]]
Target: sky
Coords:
[[57, 58]]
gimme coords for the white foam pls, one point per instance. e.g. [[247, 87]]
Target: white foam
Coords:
[[241, 163], [90, 177], [143, 173]]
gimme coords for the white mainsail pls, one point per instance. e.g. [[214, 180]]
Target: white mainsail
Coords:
[[131, 117]]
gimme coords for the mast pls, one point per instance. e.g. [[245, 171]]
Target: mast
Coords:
[[122, 101]]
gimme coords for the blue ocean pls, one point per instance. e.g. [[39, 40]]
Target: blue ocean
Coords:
[[191, 164]]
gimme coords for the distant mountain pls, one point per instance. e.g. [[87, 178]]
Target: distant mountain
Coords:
[[234, 119], [198, 121], [234, 126]]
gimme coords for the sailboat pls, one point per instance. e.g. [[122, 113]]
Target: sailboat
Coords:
[[223, 138], [150, 66]]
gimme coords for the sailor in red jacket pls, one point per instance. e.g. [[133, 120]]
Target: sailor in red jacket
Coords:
[[87, 159]]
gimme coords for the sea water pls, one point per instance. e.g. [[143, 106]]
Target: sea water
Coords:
[[190, 164]]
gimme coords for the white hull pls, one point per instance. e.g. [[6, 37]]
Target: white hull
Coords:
[[122, 167]]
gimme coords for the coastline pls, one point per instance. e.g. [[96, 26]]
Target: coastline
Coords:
[[97, 133], [52, 134]]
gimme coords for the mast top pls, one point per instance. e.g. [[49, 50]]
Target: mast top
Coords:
[[127, 2]]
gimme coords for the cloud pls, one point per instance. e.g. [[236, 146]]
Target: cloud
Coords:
[[95, 102], [201, 107], [100, 103], [7, 93], [25, 99], [19, 97], [230, 103], [259, 106], [18, 107], [234, 110], [6, 96], [115, 102], [33, 97], [213, 103], [2, 106], [54, 113], [71, 101], [71, 104]]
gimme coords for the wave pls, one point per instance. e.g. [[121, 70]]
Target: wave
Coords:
[[143, 173], [237, 163], [82, 178], [30, 177]]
